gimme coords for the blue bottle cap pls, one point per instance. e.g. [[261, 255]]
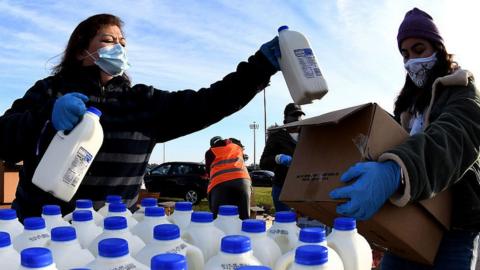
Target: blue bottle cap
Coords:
[[254, 226], [51, 210], [283, 27], [149, 202], [34, 223], [8, 214], [165, 232], [117, 207], [82, 215], [5, 240], [183, 206], [114, 199], [228, 210], [169, 261], [312, 235], [36, 257], [235, 244], [113, 247], [63, 233], [202, 217], [344, 224], [311, 255], [285, 217], [254, 267], [95, 111], [154, 211], [115, 223], [84, 203]]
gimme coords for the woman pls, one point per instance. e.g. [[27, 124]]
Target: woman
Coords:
[[440, 107], [134, 119]]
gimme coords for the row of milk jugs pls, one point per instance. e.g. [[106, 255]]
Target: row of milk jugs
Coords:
[[114, 238]]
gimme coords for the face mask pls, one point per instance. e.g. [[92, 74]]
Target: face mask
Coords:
[[112, 59], [418, 69]]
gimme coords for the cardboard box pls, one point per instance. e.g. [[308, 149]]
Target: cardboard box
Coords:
[[8, 182], [328, 145]]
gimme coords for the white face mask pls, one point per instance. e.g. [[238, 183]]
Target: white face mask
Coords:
[[112, 59], [418, 69]]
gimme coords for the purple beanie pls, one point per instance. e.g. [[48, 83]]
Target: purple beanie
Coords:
[[418, 24]]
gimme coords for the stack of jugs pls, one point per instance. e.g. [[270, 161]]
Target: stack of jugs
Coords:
[[116, 227], [66, 250], [169, 261], [36, 258], [85, 205], [228, 219], [120, 210], [9, 257], [153, 216], [264, 248], [235, 250], [167, 240], [146, 202], [310, 257], [9, 223], [53, 217], [182, 214], [113, 253], [108, 200], [284, 230], [34, 234], [310, 236], [353, 248], [203, 234], [85, 227]]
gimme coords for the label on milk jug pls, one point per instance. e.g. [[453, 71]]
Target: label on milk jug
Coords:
[[78, 167], [307, 61]]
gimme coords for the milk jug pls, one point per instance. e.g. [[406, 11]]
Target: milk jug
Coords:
[[86, 205], [114, 255], [182, 214], [311, 257], [203, 234], [66, 250], [36, 258], [310, 236], [169, 261], [34, 234], [228, 220], [254, 267], [299, 67], [108, 200], [9, 223], [9, 257], [53, 217], [265, 249], [284, 230], [71, 155], [354, 250], [116, 227], [235, 251], [146, 202], [85, 227], [167, 240], [153, 217], [120, 210]]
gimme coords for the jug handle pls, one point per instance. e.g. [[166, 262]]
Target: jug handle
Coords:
[[284, 262], [196, 255]]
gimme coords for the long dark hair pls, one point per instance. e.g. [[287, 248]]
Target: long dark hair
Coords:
[[413, 97]]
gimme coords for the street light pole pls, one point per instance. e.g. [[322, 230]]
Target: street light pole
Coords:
[[254, 126]]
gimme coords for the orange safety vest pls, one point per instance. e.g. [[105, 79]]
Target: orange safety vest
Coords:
[[228, 165]]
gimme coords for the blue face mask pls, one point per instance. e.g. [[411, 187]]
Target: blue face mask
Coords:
[[112, 59]]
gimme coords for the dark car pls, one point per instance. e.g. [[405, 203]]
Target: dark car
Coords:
[[261, 178], [187, 180]]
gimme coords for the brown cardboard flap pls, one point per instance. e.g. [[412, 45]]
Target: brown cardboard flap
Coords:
[[440, 207]]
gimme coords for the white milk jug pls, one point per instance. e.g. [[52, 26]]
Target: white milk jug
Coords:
[[116, 227], [254, 267], [34, 234], [37, 258], [53, 217], [146, 202], [66, 250], [284, 230], [203, 234], [354, 250], [310, 257], [113, 254], [167, 240], [71, 155], [228, 219], [153, 216], [83, 204], [182, 214], [299, 67], [169, 261], [85, 227], [9, 257], [9, 223], [310, 236], [120, 210], [235, 251], [265, 249], [108, 200]]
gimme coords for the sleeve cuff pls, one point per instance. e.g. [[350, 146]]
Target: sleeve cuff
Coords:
[[402, 196]]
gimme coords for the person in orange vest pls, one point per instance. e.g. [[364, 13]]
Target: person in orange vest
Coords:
[[229, 179]]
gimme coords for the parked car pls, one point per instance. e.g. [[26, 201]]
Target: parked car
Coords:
[[186, 180], [262, 178]]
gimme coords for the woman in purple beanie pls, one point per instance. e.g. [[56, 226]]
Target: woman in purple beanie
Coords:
[[440, 107]]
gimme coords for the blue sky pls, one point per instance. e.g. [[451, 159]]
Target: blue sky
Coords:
[[182, 44]]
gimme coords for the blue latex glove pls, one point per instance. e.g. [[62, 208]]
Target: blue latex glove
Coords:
[[375, 183], [68, 110], [271, 50], [283, 159]]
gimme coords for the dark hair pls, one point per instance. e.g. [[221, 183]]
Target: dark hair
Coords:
[[80, 40], [413, 97]]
